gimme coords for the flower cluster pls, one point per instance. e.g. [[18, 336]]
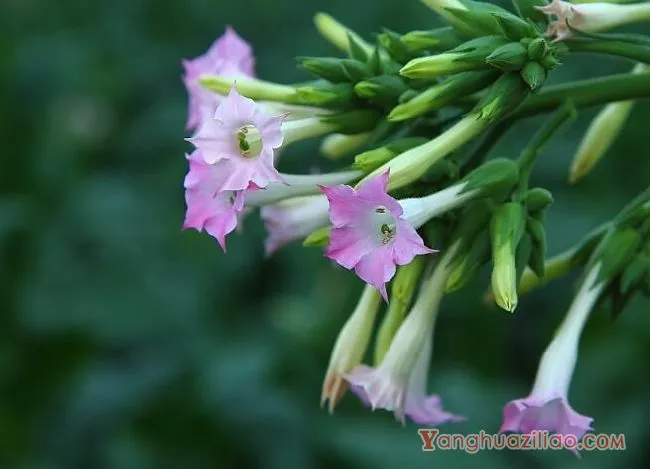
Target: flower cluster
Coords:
[[415, 210]]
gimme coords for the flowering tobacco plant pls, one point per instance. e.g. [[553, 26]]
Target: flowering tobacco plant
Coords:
[[414, 210]]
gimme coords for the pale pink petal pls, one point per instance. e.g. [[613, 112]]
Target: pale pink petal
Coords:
[[375, 190], [347, 247], [345, 207], [377, 268], [429, 411], [408, 244]]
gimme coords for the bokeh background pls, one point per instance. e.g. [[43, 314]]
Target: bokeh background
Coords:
[[128, 344]]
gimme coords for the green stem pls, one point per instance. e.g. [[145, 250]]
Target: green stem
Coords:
[[585, 93], [635, 52], [552, 127]]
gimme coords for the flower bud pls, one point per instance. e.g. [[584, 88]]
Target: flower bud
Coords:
[[384, 89], [317, 238], [325, 94], [337, 146], [438, 39], [513, 27], [472, 256], [534, 75], [537, 49], [461, 84], [507, 93], [506, 230], [470, 55], [392, 43], [537, 199], [412, 164], [372, 159], [495, 175], [616, 251], [334, 69], [600, 135], [538, 253], [350, 346], [509, 57], [527, 9], [337, 34], [353, 122]]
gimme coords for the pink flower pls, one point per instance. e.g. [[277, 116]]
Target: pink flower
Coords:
[[390, 388], [542, 413], [229, 55], [293, 219], [209, 208], [547, 407], [240, 139], [369, 233]]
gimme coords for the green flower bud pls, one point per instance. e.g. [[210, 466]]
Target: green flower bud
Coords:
[[506, 230], [325, 95], [514, 27], [534, 75], [524, 251], [403, 287], [510, 57], [538, 254], [537, 199], [495, 175], [468, 56], [507, 93], [353, 122], [373, 159], [338, 34], [438, 39], [318, 238], [461, 84], [537, 49], [337, 146], [472, 257], [392, 43], [330, 69], [385, 89]]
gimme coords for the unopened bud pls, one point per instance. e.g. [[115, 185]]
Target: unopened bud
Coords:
[[470, 55], [504, 96], [537, 199], [325, 95], [353, 122], [510, 57], [337, 146], [373, 159], [385, 89], [438, 39], [461, 84], [506, 230], [534, 75], [392, 43], [338, 34], [537, 49]]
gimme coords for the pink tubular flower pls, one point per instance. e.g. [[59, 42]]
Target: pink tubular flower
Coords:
[[209, 208], [240, 139], [229, 55], [377, 389], [399, 382], [293, 219], [547, 407], [369, 233]]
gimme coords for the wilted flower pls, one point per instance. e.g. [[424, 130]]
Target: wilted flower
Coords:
[[241, 139], [369, 232], [208, 207], [590, 17], [229, 55], [547, 407]]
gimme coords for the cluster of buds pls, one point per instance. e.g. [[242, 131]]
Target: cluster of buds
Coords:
[[412, 210]]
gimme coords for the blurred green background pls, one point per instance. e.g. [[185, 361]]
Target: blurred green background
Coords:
[[128, 344]]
